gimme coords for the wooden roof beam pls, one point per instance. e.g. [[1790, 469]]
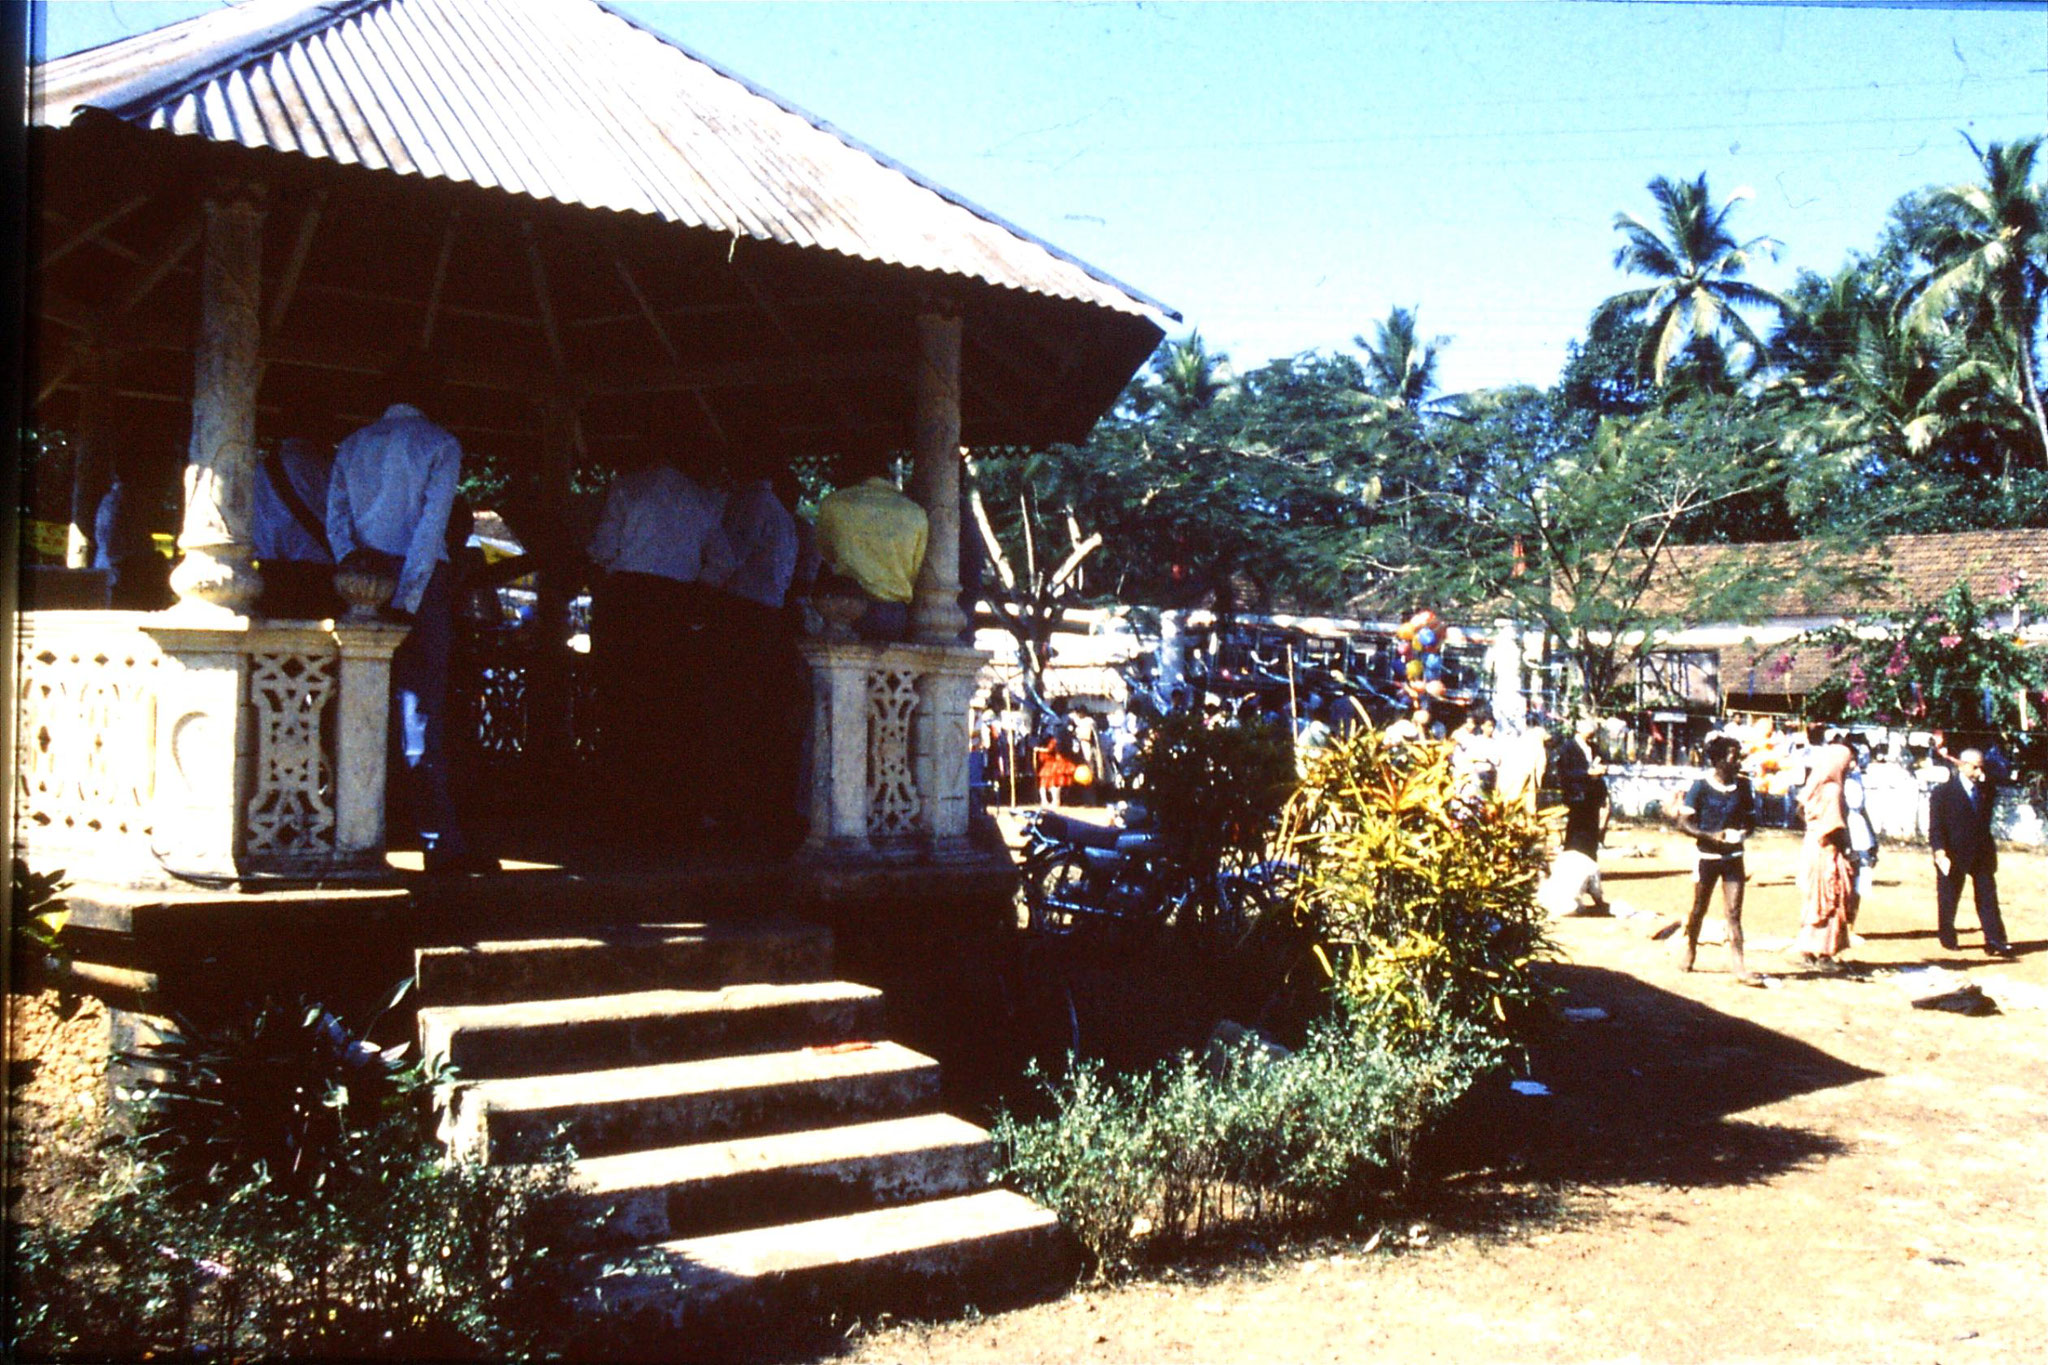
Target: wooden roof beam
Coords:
[[830, 395], [89, 233], [139, 287], [646, 310], [288, 283], [433, 311], [849, 367], [538, 270]]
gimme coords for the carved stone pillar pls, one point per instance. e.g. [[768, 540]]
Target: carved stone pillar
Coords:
[[361, 744], [946, 681], [220, 473], [92, 454], [935, 479], [839, 748]]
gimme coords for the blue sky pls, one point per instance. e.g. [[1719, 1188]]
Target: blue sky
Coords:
[[1283, 174]]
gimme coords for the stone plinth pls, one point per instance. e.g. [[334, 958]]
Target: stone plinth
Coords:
[[889, 748]]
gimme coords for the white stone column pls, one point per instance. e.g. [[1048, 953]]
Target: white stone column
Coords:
[[362, 743], [946, 681], [935, 479], [216, 576], [839, 748]]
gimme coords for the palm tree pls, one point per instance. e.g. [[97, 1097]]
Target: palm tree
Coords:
[[1186, 378], [1987, 246], [1400, 366], [1696, 263]]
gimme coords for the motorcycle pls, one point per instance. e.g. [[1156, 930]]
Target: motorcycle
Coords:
[[1080, 875]]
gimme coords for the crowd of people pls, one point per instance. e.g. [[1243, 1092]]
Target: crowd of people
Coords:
[[1812, 780], [697, 566]]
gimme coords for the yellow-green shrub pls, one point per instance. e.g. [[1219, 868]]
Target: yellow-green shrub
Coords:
[[1421, 899]]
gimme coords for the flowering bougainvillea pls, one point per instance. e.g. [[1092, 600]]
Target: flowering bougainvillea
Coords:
[[1951, 665]]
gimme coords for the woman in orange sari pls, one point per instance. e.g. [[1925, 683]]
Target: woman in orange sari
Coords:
[[1827, 878]]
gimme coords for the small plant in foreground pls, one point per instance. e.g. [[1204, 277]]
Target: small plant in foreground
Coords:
[[1240, 1137], [39, 913], [284, 1091], [286, 1198]]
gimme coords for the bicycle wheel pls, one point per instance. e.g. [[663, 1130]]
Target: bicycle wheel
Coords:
[[1054, 893]]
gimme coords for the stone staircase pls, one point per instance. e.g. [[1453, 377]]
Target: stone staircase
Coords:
[[736, 1120]]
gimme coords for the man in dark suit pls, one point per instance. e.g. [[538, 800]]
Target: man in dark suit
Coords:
[[1959, 828]]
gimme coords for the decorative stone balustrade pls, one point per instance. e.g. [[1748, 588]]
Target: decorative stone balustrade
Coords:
[[153, 749], [889, 748]]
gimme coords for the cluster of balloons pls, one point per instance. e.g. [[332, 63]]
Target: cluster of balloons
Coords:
[[1421, 641]]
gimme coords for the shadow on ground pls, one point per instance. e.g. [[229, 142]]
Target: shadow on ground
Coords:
[[1646, 1095]]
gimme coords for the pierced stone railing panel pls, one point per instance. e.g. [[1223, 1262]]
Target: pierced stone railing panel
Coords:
[[291, 814], [85, 731], [155, 748], [894, 802]]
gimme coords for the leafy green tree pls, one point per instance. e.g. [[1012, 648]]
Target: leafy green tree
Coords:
[[1581, 535], [1186, 378], [1024, 507], [1693, 307], [1255, 498]]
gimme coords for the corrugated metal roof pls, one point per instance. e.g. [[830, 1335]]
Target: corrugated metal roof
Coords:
[[555, 99]]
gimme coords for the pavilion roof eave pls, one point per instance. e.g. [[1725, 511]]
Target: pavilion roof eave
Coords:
[[676, 133], [1105, 343]]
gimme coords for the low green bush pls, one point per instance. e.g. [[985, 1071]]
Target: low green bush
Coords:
[[1239, 1136], [285, 1197]]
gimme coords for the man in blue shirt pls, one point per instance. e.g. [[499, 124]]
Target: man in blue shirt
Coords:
[[290, 532], [387, 508]]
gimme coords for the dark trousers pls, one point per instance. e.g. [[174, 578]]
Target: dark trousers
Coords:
[[759, 696], [419, 716], [1948, 891], [648, 646]]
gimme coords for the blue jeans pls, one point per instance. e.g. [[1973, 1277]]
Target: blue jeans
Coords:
[[419, 716]]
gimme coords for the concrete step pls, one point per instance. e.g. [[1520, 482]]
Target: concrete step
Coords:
[[548, 1037], [603, 1113], [714, 1187], [988, 1249], [623, 958]]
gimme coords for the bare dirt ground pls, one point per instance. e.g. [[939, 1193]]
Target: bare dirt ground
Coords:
[[1815, 1171]]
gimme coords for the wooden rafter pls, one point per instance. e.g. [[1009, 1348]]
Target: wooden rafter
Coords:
[[539, 271], [90, 232], [831, 395], [302, 245], [139, 286], [646, 309], [440, 280]]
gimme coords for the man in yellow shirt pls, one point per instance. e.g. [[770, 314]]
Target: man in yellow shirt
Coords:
[[872, 538]]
